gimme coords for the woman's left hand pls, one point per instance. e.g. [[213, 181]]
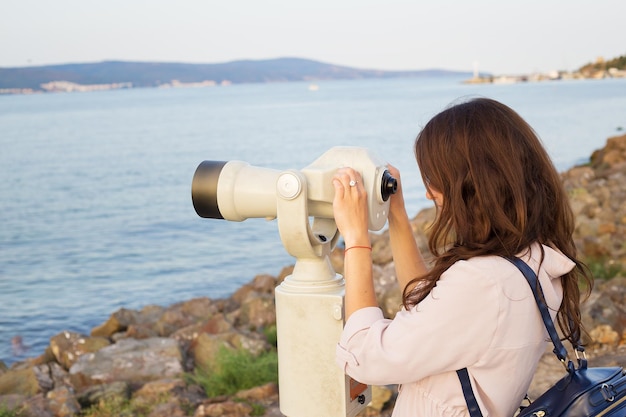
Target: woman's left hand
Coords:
[[350, 207]]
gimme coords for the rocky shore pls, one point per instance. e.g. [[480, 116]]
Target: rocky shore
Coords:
[[144, 357]]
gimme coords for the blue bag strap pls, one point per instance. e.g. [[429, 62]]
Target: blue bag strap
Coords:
[[468, 393], [531, 277]]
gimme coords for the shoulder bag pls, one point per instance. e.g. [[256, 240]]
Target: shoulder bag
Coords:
[[583, 392]]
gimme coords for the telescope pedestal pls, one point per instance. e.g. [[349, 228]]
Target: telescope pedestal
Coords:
[[309, 320]]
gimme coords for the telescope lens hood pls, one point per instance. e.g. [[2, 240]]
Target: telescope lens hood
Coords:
[[388, 186], [204, 189]]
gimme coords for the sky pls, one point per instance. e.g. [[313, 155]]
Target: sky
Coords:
[[500, 37]]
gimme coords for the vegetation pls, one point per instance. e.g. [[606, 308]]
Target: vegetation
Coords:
[[271, 335], [123, 408], [236, 370], [113, 407], [257, 409], [604, 268], [600, 64], [6, 412]]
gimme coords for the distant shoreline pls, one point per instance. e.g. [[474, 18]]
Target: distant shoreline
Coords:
[[112, 75], [550, 76], [70, 87]]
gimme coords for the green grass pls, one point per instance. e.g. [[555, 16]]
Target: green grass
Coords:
[[119, 407], [114, 407], [257, 409], [271, 335], [6, 412], [237, 370], [604, 268]]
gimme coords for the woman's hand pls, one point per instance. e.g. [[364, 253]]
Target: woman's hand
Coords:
[[350, 207], [396, 201], [351, 217]]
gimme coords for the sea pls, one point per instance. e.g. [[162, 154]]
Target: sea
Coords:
[[95, 188]]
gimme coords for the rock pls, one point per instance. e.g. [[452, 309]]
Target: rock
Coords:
[[44, 378], [381, 249], [11, 402], [35, 407], [20, 381], [62, 403], [257, 312], [605, 335], [205, 348], [171, 394], [60, 377], [388, 292], [168, 409], [261, 284], [141, 322], [288, 270], [117, 391], [380, 396], [613, 153], [130, 360], [223, 409], [201, 308], [140, 331], [219, 323], [185, 314], [264, 392], [604, 313], [68, 347], [117, 322]]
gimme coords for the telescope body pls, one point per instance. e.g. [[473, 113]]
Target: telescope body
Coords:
[[237, 191]]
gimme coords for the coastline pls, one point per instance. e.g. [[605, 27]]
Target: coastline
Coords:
[[550, 76], [76, 364]]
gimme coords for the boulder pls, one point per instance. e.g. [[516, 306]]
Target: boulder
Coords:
[[117, 322], [176, 317], [68, 347], [219, 323], [257, 312], [262, 393], [223, 409], [35, 407], [62, 403], [168, 409], [129, 360], [162, 391], [205, 348], [261, 284], [21, 381], [118, 391]]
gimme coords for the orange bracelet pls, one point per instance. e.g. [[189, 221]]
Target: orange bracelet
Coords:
[[357, 247]]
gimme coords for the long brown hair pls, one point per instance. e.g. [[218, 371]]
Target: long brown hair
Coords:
[[501, 193]]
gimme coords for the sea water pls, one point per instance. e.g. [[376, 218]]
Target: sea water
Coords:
[[95, 204]]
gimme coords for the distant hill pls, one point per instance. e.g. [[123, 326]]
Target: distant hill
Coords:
[[153, 74]]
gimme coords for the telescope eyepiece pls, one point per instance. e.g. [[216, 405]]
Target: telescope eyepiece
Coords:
[[388, 185]]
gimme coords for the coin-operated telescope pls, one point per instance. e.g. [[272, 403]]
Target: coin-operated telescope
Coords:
[[309, 302]]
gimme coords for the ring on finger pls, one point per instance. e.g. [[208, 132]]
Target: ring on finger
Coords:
[[352, 183]]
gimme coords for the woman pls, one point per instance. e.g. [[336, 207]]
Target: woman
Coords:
[[497, 194]]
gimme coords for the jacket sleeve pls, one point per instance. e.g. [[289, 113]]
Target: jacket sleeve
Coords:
[[450, 329]]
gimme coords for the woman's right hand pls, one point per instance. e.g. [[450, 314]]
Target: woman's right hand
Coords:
[[350, 207]]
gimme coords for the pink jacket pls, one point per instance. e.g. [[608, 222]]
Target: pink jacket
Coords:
[[481, 315]]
